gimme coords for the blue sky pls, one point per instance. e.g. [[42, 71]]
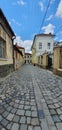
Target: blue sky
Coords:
[[25, 18]]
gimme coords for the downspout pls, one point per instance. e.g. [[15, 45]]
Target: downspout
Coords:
[[13, 50]]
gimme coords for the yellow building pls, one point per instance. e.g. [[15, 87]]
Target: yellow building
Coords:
[[34, 57], [22, 49], [57, 64], [45, 61], [6, 46], [18, 57]]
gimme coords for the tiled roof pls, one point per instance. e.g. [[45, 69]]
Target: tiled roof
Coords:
[[5, 20]]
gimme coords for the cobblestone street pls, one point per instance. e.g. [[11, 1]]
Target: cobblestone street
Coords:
[[31, 99]]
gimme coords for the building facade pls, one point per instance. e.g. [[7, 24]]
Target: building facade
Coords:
[[6, 46], [18, 57], [28, 58], [42, 43], [22, 49]]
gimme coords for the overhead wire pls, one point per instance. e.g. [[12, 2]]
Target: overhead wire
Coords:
[[45, 15]]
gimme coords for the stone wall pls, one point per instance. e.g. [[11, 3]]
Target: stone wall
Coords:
[[6, 69]]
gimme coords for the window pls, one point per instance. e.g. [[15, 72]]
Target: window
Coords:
[[2, 49], [48, 45], [40, 45]]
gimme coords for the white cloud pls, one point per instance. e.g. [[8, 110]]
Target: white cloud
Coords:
[[26, 43], [15, 22], [41, 6], [50, 17], [59, 10], [49, 28], [21, 2]]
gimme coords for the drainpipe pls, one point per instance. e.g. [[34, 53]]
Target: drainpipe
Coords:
[[13, 49]]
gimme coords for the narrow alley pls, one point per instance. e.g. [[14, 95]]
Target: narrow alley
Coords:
[[31, 99]]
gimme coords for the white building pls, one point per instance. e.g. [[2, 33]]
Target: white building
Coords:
[[44, 43]]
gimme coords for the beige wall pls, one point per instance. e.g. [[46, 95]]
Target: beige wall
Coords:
[[34, 57], [18, 60], [8, 49], [45, 60], [23, 52], [57, 63]]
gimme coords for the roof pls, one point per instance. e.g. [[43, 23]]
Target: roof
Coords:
[[43, 34], [5, 20], [49, 34], [28, 54], [19, 47], [16, 48]]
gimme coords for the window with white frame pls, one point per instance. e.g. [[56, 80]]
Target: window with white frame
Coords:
[[2, 49], [40, 45], [48, 45]]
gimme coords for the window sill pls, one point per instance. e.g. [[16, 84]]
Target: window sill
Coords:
[[3, 59]]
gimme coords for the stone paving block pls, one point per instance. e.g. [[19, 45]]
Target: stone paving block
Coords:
[[3, 129], [34, 121], [28, 113], [59, 126], [51, 106], [37, 128], [23, 120], [1, 118], [22, 102], [56, 118], [44, 125], [46, 112], [15, 126], [13, 111], [59, 111], [28, 120], [10, 117], [60, 117], [27, 107], [16, 118], [23, 127], [56, 105], [34, 114], [4, 122], [21, 106], [9, 125], [17, 101], [9, 108], [5, 114], [52, 128], [41, 114], [33, 108], [49, 120], [53, 112], [20, 112], [30, 127]]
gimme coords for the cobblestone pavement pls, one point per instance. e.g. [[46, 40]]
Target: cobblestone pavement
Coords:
[[31, 99]]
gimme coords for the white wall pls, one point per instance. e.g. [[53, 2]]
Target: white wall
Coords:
[[45, 40]]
